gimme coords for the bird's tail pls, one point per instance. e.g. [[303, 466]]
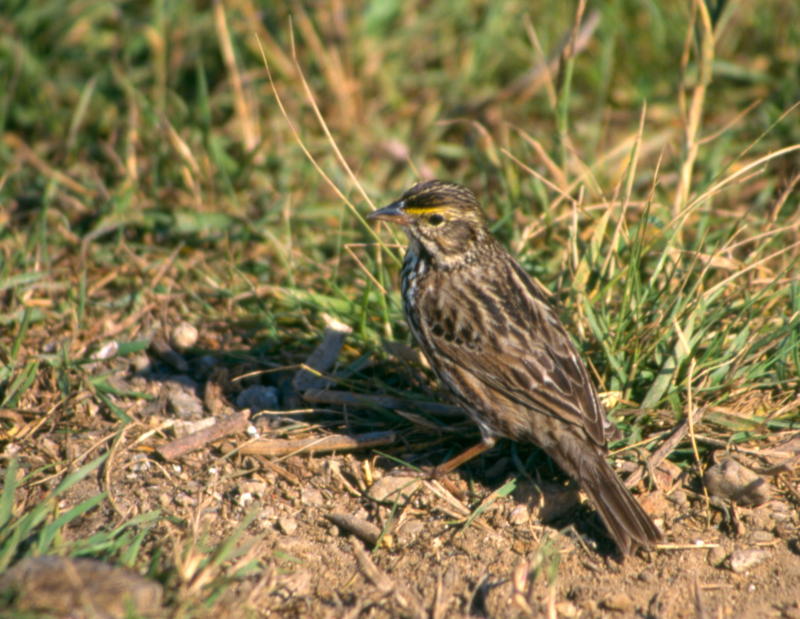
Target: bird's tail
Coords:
[[626, 521]]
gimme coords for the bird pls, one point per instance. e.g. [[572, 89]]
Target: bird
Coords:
[[491, 336]]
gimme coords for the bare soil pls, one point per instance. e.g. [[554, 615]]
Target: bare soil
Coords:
[[466, 545]]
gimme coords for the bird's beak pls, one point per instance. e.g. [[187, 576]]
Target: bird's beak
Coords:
[[393, 213]]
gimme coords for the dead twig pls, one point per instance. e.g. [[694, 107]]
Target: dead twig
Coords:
[[276, 468], [231, 424], [323, 358], [321, 444], [363, 530]]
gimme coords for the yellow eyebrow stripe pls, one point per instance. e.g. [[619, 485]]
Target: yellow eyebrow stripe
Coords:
[[421, 210]]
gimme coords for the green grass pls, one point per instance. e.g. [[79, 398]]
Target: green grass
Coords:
[[148, 173]]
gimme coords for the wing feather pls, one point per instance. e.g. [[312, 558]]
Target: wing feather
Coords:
[[534, 365]]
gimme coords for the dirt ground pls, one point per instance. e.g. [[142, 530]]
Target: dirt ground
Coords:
[[471, 544]]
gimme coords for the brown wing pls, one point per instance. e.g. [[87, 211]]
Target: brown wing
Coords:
[[509, 338]]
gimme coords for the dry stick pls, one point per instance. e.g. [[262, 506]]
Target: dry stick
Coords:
[[323, 358], [236, 422], [382, 582], [274, 467], [363, 530], [349, 398], [323, 444], [667, 447]]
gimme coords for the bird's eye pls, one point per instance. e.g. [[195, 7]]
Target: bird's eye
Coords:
[[436, 220]]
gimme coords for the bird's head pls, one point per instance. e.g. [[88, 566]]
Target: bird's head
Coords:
[[445, 218]]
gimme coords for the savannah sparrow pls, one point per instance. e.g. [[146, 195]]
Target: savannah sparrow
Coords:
[[491, 337]]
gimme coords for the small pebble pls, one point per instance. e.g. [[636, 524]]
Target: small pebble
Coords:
[[185, 500], [312, 496], [780, 516], [141, 362], [287, 525], [716, 556], [730, 480], [107, 350], [785, 529], [679, 497], [409, 531], [140, 464], [254, 487], [743, 560], [567, 609], [184, 335], [647, 576], [184, 404], [760, 519], [762, 537], [619, 602]]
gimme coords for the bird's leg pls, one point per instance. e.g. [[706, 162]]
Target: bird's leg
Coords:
[[465, 456]]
